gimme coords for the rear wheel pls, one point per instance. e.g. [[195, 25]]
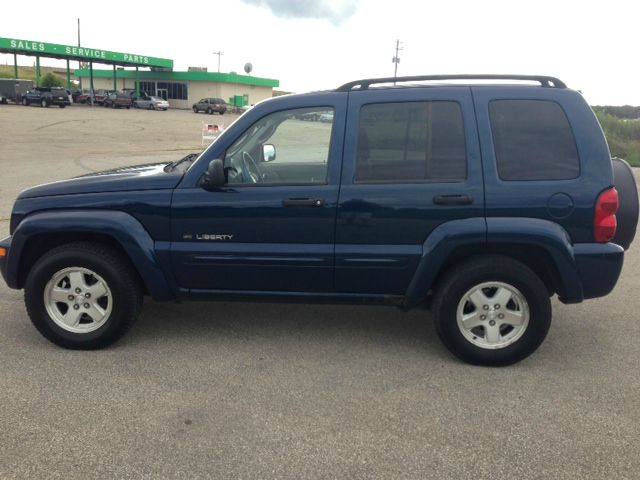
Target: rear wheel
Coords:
[[44, 103], [492, 311], [82, 296]]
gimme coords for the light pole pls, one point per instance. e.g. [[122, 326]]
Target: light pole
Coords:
[[219, 55]]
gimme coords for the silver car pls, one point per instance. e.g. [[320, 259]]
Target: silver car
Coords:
[[151, 103]]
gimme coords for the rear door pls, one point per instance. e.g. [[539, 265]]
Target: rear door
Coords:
[[411, 163]]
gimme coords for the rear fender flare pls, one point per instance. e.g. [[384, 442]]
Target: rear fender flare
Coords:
[[482, 233]]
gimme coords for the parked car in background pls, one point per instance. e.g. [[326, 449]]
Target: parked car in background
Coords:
[[326, 117], [83, 97], [151, 103], [100, 95], [210, 105], [118, 100], [45, 96]]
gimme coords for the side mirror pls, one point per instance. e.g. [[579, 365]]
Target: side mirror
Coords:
[[214, 176], [268, 152]]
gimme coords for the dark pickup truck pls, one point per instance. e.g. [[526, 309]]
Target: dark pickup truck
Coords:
[[46, 96], [478, 200]]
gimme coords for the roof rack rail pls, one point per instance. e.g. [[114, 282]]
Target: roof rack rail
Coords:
[[547, 82]]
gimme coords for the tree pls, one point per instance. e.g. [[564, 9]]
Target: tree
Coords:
[[51, 80]]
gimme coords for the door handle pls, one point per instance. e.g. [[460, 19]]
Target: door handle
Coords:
[[303, 202], [453, 199]]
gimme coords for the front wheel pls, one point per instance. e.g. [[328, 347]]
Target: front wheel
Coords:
[[82, 296], [25, 102], [44, 103], [492, 311]]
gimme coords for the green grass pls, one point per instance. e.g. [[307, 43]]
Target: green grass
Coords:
[[623, 137], [28, 73]]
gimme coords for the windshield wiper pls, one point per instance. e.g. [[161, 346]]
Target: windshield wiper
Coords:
[[172, 166]]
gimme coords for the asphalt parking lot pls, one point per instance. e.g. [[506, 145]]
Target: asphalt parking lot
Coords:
[[260, 391]]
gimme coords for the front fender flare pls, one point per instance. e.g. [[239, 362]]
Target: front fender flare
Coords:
[[123, 228]]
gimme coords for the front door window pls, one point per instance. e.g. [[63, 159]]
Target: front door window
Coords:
[[285, 148]]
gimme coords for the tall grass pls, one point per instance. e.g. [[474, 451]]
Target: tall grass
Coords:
[[623, 137]]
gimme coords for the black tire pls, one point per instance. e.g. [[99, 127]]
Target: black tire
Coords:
[[44, 103], [62, 106], [461, 279], [195, 110], [151, 106], [210, 111], [119, 276], [222, 112], [627, 214], [25, 102]]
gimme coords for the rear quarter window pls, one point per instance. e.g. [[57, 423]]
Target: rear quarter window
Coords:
[[533, 141]]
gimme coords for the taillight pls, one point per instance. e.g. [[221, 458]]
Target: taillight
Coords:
[[605, 223]]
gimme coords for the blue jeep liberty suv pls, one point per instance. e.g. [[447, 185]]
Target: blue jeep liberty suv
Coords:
[[480, 196]]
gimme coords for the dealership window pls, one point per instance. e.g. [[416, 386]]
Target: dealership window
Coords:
[[172, 90]]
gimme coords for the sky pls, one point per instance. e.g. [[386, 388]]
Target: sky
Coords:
[[320, 44]]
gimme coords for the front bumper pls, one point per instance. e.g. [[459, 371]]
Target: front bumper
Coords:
[[599, 266]]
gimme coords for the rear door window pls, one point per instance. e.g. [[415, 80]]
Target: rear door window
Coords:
[[533, 141], [411, 142]]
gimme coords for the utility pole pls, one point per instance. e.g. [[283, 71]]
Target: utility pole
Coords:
[[396, 60], [79, 62], [219, 55]]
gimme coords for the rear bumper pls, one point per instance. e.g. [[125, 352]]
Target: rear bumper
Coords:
[[5, 243], [599, 266]]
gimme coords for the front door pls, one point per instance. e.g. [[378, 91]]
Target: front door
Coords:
[[271, 227], [412, 162]]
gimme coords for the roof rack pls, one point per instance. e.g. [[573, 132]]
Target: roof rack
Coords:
[[547, 82]]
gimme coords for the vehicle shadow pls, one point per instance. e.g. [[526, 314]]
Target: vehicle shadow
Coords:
[[216, 321]]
